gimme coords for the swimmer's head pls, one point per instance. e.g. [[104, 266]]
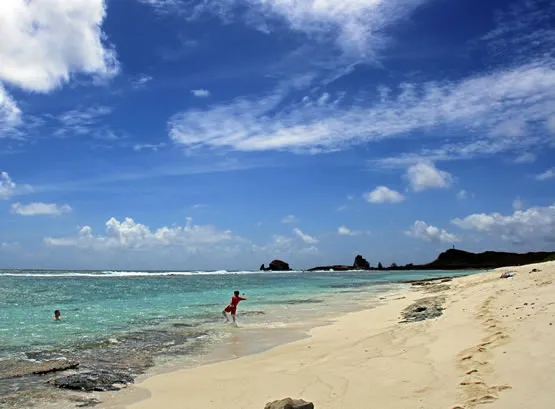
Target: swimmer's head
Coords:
[[236, 292], [57, 313]]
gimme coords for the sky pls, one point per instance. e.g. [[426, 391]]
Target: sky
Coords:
[[223, 134]]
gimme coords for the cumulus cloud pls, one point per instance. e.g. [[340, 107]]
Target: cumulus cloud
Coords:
[[530, 225], [425, 175], [548, 174], [128, 234], [291, 218], [383, 194], [200, 93], [423, 231], [49, 41], [9, 188], [345, 231], [40, 209], [10, 114], [305, 237]]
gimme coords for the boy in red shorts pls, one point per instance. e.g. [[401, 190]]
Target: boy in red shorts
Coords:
[[232, 306]]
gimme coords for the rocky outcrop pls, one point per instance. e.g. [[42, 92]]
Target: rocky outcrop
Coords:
[[361, 263], [101, 381], [459, 259], [289, 403], [23, 368], [276, 265]]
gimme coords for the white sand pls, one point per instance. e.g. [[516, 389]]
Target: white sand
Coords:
[[493, 346]]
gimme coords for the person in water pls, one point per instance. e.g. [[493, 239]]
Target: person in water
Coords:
[[232, 306], [57, 315]]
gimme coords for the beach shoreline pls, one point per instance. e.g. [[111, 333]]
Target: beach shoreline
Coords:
[[457, 360]]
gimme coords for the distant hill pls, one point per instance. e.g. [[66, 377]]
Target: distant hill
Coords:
[[459, 259], [454, 259]]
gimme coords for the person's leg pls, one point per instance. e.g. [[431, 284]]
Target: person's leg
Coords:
[[233, 316], [225, 316]]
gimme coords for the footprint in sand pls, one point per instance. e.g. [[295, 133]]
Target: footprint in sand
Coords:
[[466, 358], [472, 371], [466, 383], [484, 399]]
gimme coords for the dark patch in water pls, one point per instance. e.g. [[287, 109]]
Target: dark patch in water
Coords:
[[296, 302], [183, 325]]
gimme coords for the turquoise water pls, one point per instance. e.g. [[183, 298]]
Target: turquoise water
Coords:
[[97, 305]]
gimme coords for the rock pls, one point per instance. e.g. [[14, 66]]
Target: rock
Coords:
[[361, 263], [93, 381], [263, 267], [423, 309], [278, 265], [42, 367], [289, 403]]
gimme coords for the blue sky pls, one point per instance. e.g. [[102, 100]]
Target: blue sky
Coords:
[[183, 134]]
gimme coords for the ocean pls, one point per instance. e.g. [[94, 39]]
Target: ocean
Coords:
[[131, 321]]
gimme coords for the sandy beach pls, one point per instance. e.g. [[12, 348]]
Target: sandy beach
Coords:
[[494, 345]]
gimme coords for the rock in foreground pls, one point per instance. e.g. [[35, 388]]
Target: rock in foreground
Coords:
[[101, 381], [289, 403], [424, 309]]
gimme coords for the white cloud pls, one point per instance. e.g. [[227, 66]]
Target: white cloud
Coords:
[[356, 26], [423, 231], [291, 219], [49, 41], [472, 108], [383, 194], [462, 195], [424, 175], [7, 186], [140, 81], [345, 231], [10, 114], [148, 146], [548, 174], [525, 157], [305, 237], [518, 204], [131, 235], [200, 93], [82, 121], [40, 209], [523, 226]]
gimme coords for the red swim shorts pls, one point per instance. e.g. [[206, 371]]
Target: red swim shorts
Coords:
[[231, 309]]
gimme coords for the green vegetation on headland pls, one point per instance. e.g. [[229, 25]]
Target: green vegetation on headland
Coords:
[[452, 259]]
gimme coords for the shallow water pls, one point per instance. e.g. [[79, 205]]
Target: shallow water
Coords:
[[128, 321]]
